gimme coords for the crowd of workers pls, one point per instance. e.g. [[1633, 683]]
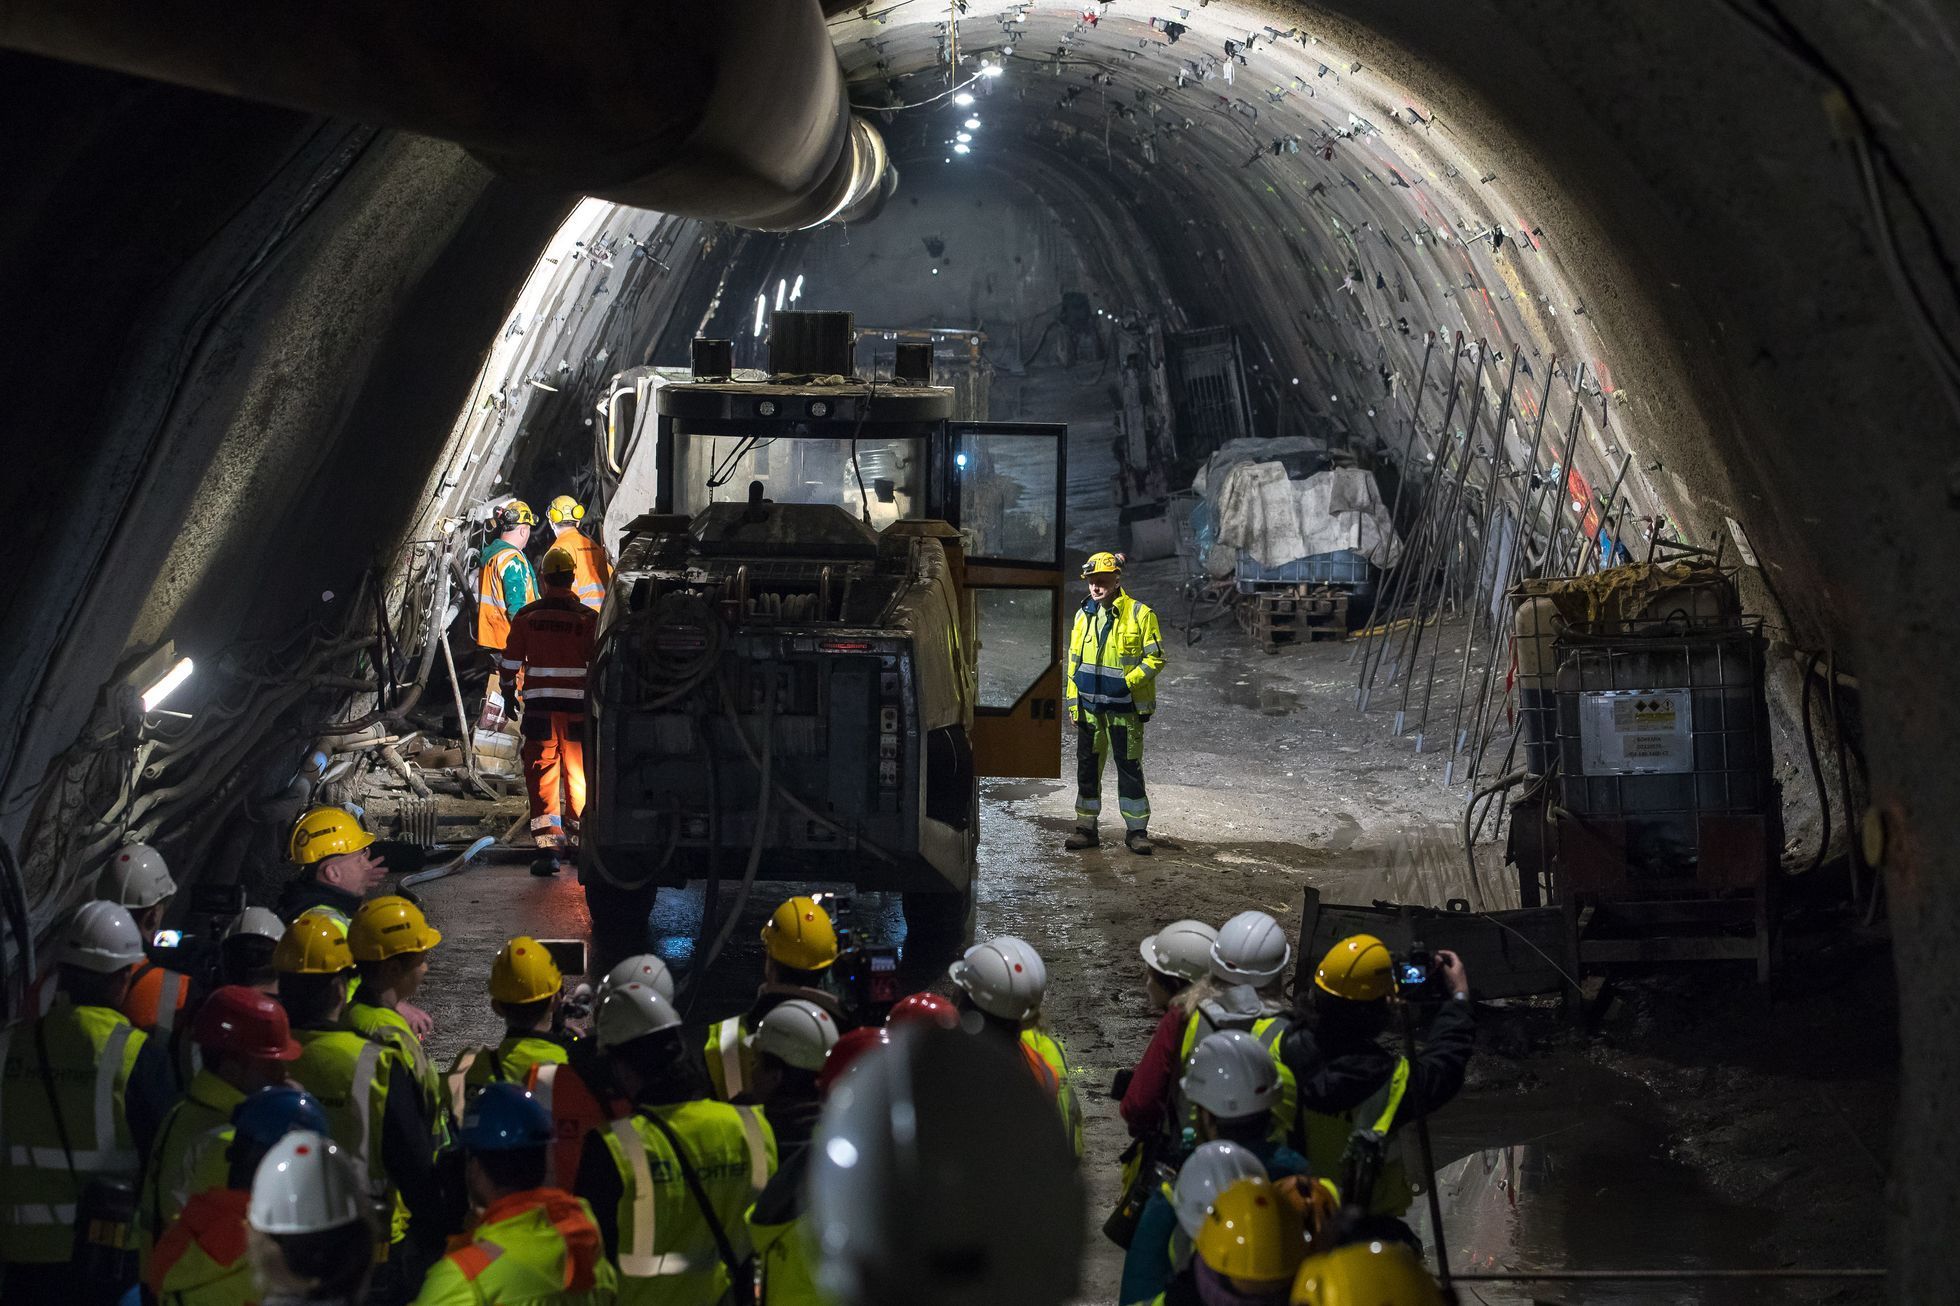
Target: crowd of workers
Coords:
[[270, 1127]]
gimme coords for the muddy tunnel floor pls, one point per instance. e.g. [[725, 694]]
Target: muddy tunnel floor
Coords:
[[1701, 1123]]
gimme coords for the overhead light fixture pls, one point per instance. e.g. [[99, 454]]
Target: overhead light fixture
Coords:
[[963, 99], [166, 685], [796, 291], [963, 137], [782, 292], [761, 307], [972, 123], [962, 149]]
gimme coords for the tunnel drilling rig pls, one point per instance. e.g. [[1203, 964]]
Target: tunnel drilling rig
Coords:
[[840, 608]]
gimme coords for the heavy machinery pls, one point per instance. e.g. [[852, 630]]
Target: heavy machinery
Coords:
[[839, 609]]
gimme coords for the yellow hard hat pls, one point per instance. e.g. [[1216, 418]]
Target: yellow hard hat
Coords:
[[1251, 1232], [389, 926], [524, 972], [325, 832], [565, 508], [1102, 564], [800, 935], [1356, 968], [557, 561], [1365, 1274], [515, 513], [315, 944]]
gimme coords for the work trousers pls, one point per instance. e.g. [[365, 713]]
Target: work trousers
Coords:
[[554, 773], [1102, 735]]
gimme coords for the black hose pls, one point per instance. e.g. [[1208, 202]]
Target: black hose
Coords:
[[1469, 810], [1816, 769], [765, 775]]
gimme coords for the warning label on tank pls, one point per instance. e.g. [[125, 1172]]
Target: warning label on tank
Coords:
[[1637, 731]]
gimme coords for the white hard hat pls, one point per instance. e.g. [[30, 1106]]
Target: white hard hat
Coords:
[[940, 1173], [1209, 1171], [1181, 949], [1004, 977], [305, 1184], [796, 1032], [1231, 1075], [646, 968], [135, 877], [103, 938], [257, 920], [1251, 949], [634, 1010]]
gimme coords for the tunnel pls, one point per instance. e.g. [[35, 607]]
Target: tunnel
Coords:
[[291, 299]]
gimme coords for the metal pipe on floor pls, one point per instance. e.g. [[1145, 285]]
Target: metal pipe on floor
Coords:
[[668, 107]]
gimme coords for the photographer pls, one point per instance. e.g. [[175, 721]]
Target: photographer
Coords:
[[1347, 1052]]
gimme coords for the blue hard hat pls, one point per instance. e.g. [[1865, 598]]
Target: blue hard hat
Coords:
[[505, 1118], [269, 1114]]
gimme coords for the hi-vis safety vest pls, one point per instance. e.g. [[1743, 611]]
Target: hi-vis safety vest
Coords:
[[200, 1260], [576, 1109], [504, 584], [389, 1027], [188, 1156], [591, 573], [509, 1062], [156, 998], [1113, 661], [1211, 1017], [730, 1063], [1327, 1138], [91, 1054], [786, 1264], [548, 649], [535, 1246], [349, 1076], [1049, 1049], [667, 1251]]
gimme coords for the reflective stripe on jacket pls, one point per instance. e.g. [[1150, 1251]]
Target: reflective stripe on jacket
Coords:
[[504, 584], [667, 1251], [548, 650], [1049, 1049], [536, 1246], [387, 1026], [349, 1075], [200, 1260], [730, 1063], [576, 1110], [91, 1055], [591, 572], [1113, 659], [188, 1156]]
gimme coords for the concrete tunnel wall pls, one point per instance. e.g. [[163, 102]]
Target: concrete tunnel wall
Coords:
[[208, 298]]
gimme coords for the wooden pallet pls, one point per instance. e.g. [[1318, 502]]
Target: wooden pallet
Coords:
[[1294, 616]]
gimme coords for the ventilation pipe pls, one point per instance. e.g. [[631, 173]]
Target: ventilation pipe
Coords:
[[690, 109]]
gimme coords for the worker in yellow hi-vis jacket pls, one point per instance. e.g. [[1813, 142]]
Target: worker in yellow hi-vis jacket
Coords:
[[1114, 655]]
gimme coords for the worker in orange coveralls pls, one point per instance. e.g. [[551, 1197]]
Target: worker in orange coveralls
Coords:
[[546, 657]]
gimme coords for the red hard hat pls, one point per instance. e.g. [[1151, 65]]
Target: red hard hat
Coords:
[[925, 1006], [854, 1044], [246, 1023]]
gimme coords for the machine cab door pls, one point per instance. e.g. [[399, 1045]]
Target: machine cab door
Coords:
[[1008, 497]]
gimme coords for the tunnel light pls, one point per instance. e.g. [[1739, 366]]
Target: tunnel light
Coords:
[[166, 685], [782, 291], [962, 149], [992, 69], [959, 460], [1296, 380], [963, 137], [963, 99], [761, 307], [972, 124], [796, 291]]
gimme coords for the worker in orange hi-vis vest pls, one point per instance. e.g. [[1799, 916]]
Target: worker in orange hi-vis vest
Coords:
[[545, 658], [504, 584], [591, 572]]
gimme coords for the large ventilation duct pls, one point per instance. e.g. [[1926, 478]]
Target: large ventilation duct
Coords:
[[688, 109]]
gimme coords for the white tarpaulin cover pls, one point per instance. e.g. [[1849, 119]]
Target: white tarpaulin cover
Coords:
[[1279, 521]]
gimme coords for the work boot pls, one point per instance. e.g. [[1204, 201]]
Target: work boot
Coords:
[[1082, 838], [1138, 842], [545, 866]]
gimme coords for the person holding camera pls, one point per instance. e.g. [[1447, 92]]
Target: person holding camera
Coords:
[[1360, 1081]]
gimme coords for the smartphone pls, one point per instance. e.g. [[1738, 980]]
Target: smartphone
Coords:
[[167, 939], [568, 954]]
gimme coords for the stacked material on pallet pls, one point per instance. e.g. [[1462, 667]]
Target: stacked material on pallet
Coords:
[[1267, 512]]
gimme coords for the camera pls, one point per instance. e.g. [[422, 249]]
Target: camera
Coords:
[[1414, 971]]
